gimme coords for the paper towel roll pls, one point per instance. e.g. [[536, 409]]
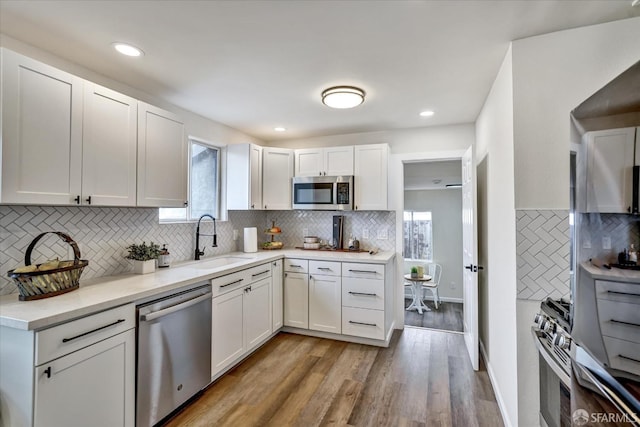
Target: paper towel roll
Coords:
[[251, 239]]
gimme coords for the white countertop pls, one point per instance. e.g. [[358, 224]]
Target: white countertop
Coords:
[[615, 274], [104, 293]]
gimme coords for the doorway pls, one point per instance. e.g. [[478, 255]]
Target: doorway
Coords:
[[432, 239]]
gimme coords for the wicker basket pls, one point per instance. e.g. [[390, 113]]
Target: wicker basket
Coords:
[[49, 283]]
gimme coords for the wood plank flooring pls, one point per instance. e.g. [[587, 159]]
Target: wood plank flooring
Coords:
[[424, 378], [448, 316]]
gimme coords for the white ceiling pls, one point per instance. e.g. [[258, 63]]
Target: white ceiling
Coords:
[[254, 65]]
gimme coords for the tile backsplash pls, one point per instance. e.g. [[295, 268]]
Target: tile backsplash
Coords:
[[620, 230], [103, 234]]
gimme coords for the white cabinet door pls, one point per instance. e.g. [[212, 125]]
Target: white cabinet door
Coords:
[[296, 300], [162, 165], [109, 139], [309, 162], [338, 161], [227, 342], [277, 297], [257, 313], [94, 386], [325, 307], [277, 171], [610, 161], [41, 133], [244, 177], [370, 178]]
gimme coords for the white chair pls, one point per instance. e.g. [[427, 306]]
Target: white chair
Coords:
[[435, 271]]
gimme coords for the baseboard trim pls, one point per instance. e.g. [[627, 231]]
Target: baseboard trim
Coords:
[[496, 390]]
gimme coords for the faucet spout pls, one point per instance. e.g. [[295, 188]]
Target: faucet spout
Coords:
[[199, 252]]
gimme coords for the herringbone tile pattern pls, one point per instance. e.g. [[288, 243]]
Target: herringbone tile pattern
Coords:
[[622, 230], [542, 249], [103, 234]]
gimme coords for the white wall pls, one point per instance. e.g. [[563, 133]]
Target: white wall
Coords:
[[446, 216], [497, 250], [553, 74], [195, 125]]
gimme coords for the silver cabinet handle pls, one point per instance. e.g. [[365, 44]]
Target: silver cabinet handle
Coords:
[[295, 266], [363, 271], [232, 283], [258, 274], [324, 268], [362, 323], [620, 322], [363, 293], [624, 293], [174, 308], [93, 330]]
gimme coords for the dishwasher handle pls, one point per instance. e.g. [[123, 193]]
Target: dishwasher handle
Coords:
[[174, 308]]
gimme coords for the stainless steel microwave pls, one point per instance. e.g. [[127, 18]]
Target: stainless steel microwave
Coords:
[[331, 193]]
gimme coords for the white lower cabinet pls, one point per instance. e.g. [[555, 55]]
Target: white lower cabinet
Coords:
[[296, 300], [277, 288], [240, 315], [324, 303]]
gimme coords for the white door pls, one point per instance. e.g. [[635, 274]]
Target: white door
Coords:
[[255, 180], [276, 294], [277, 171], [227, 342], [370, 181], [325, 303], [338, 161], [309, 162], [470, 256], [257, 313], [94, 386], [296, 300]]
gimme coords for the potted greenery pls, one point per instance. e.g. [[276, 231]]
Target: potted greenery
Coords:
[[144, 257], [414, 272]]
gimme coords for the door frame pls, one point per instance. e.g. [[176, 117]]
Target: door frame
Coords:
[[396, 203]]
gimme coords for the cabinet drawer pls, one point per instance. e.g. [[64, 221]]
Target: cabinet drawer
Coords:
[[363, 293], [71, 336], [224, 284], [619, 320], [618, 291], [326, 268], [296, 265], [623, 355], [364, 323], [259, 272], [364, 271]]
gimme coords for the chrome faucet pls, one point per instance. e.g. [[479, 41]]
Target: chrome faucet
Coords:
[[215, 237]]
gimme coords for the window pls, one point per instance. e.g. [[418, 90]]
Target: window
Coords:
[[418, 237], [204, 184]]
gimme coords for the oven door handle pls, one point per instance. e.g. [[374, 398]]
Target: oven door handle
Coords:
[[613, 397], [542, 350]]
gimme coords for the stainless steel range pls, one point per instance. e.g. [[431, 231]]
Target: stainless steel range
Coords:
[[553, 341]]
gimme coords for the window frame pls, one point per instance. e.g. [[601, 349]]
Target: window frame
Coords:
[[405, 255], [221, 214]]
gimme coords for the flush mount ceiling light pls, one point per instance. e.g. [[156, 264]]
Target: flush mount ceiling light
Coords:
[[342, 97], [279, 129], [427, 113], [127, 49]]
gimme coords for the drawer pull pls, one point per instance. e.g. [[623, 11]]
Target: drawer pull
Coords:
[[93, 330], [232, 283], [628, 358], [362, 323], [363, 293], [625, 323], [295, 266], [363, 271], [258, 274], [624, 293], [324, 268], [48, 371]]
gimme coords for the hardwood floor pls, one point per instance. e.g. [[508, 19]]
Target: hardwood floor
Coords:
[[448, 316], [424, 378]]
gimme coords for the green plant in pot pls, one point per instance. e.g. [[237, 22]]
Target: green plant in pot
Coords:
[[144, 257], [414, 272]]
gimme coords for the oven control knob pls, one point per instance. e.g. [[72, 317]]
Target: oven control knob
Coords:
[[538, 319], [561, 341], [545, 326]]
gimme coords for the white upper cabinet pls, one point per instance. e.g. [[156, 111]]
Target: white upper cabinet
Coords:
[[277, 171], [609, 174], [41, 133], [162, 152], [108, 147], [331, 161], [370, 180], [244, 177]]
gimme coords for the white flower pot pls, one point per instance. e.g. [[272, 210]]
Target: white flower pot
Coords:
[[144, 267]]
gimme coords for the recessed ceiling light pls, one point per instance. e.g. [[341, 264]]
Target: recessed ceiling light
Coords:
[[279, 129], [342, 97], [427, 113], [127, 49]]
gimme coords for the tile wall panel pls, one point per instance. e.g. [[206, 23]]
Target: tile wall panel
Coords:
[[542, 250], [622, 230], [103, 234]]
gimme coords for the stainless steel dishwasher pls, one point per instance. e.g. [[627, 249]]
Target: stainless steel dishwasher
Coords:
[[174, 352]]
